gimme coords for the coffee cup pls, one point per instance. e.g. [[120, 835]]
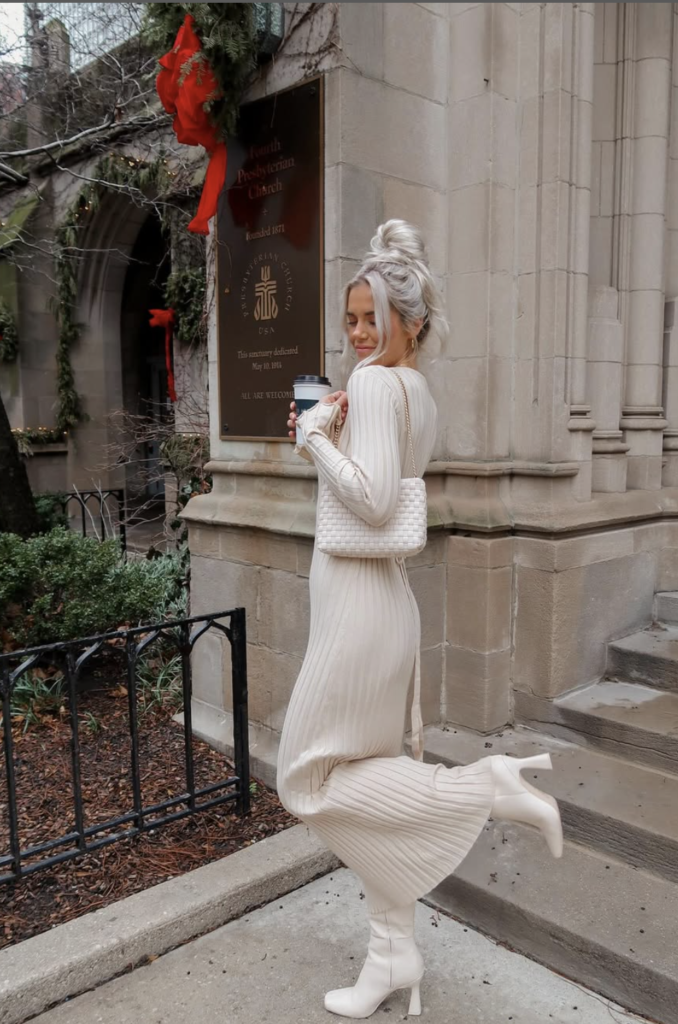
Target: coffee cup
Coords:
[[308, 390]]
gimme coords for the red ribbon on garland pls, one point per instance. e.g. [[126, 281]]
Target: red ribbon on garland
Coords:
[[185, 84], [165, 318]]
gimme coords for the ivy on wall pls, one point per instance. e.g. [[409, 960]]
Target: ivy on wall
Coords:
[[69, 411], [9, 337]]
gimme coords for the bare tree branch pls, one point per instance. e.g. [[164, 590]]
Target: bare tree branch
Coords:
[[143, 121], [12, 175], [58, 143]]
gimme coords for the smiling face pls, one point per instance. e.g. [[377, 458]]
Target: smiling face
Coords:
[[361, 327]]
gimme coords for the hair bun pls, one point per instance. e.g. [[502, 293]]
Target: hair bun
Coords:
[[397, 241]]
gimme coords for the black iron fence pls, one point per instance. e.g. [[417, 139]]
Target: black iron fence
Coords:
[[182, 635], [102, 513]]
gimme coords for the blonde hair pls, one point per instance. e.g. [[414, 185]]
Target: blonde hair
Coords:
[[396, 269]]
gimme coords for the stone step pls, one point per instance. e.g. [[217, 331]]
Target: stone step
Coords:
[[649, 657], [592, 918], [666, 607], [625, 719], [606, 803]]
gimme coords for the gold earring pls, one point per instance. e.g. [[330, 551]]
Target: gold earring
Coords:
[[413, 343]]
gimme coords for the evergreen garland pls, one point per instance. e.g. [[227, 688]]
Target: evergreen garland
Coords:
[[228, 37], [9, 337], [185, 294], [70, 410], [29, 437]]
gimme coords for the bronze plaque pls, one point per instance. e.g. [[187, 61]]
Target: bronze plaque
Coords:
[[270, 266]]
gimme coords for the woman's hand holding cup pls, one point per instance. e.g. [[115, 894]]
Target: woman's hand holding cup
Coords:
[[337, 397], [292, 421]]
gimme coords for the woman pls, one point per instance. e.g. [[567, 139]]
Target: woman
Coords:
[[400, 824]]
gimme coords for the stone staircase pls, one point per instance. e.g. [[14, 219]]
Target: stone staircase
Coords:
[[606, 915]]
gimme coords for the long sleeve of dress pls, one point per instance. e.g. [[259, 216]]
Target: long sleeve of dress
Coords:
[[368, 482], [322, 417]]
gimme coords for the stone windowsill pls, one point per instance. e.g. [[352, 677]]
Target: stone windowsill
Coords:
[[51, 448]]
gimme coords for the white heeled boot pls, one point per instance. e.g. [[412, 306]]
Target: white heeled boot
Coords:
[[517, 800], [393, 962]]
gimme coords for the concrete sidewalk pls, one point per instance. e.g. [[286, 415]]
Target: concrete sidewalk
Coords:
[[277, 962], [66, 961]]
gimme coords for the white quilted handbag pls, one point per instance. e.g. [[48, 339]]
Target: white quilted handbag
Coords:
[[339, 531]]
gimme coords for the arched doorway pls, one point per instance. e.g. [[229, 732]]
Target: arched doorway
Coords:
[[144, 372], [119, 361]]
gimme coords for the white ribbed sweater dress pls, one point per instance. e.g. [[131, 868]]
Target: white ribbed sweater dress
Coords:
[[400, 824]]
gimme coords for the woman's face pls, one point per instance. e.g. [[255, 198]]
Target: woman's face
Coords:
[[362, 329]]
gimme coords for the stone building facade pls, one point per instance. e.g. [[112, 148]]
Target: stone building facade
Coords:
[[536, 146], [118, 362], [131, 237]]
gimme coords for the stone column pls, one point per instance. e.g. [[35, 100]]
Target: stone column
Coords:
[[476, 367], [551, 421], [671, 258], [670, 382], [609, 229], [606, 368], [519, 434], [650, 26], [670, 395], [581, 419]]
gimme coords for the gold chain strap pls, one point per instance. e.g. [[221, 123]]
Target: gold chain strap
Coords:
[[337, 425], [407, 418], [337, 431]]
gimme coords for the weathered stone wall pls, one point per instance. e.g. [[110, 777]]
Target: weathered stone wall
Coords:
[[534, 145]]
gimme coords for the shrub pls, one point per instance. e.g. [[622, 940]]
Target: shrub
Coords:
[[60, 586], [169, 573], [37, 696], [50, 509]]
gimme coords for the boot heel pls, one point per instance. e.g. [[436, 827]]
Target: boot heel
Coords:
[[415, 1001], [517, 800], [537, 761]]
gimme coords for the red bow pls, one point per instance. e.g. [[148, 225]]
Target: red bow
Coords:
[[185, 84], [165, 318]]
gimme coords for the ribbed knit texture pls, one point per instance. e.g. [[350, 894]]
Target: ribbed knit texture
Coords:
[[401, 825]]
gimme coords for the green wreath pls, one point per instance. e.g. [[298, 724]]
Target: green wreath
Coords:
[[227, 33]]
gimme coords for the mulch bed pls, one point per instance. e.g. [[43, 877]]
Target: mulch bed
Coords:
[[61, 893]]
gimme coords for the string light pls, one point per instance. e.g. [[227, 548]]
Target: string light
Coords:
[[39, 434]]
